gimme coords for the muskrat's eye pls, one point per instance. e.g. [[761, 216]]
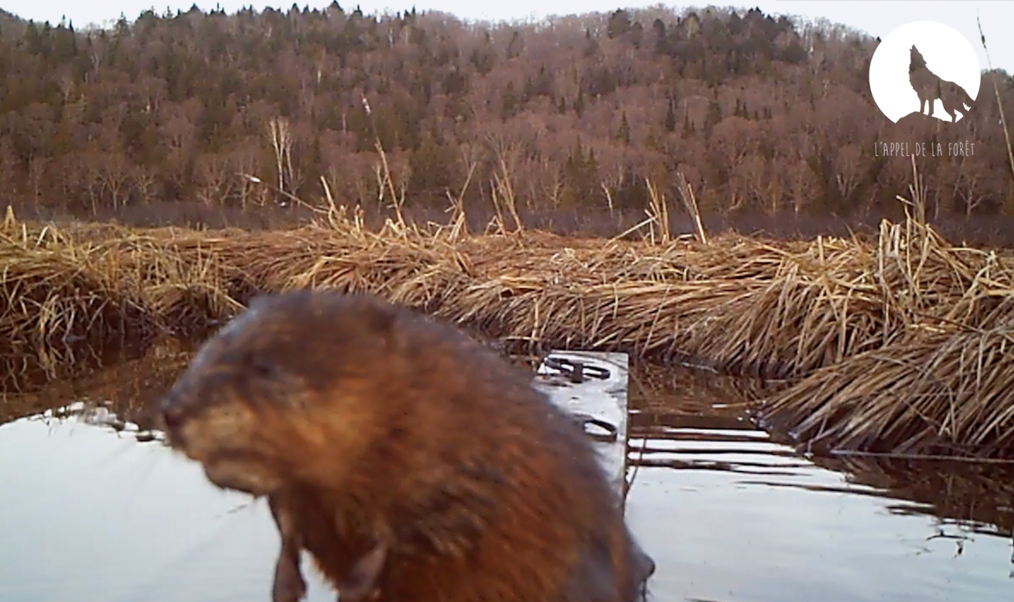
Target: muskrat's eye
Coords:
[[261, 366]]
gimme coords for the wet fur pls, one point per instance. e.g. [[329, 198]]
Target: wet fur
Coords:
[[410, 461], [930, 87]]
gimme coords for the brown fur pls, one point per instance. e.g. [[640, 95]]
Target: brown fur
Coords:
[[930, 87], [411, 462]]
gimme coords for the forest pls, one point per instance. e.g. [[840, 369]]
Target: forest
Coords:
[[178, 117]]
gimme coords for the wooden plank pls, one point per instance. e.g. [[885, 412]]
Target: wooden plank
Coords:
[[600, 394]]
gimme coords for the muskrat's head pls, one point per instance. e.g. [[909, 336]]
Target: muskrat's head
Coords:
[[278, 392]]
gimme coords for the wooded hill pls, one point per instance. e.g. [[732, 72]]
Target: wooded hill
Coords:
[[763, 115]]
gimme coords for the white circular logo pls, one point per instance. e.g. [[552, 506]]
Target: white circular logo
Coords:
[[925, 67]]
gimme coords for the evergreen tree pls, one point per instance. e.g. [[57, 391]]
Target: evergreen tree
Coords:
[[670, 117], [623, 134]]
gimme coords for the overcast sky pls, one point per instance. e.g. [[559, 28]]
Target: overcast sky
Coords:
[[877, 18]]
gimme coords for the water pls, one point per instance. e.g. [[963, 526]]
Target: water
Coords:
[[93, 510], [731, 515]]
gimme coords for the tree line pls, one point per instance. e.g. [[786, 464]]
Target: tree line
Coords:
[[762, 115]]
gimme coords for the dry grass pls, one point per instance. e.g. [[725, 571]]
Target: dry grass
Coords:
[[873, 331], [933, 393], [90, 283]]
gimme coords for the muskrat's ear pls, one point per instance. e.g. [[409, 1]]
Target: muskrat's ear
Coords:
[[379, 317]]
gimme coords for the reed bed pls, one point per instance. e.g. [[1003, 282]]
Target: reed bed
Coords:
[[934, 393], [837, 319], [92, 282]]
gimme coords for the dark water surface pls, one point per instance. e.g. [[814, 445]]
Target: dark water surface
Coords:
[[91, 509]]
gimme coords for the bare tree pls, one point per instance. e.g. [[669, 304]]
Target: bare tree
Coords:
[[849, 167], [113, 173], [144, 184], [37, 170], [281, 142], [216, 180], [735, 139]]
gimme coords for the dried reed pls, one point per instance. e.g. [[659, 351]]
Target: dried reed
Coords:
[[940, 392], [827, 311]]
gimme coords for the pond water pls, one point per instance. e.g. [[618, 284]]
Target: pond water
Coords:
[[95, 510]]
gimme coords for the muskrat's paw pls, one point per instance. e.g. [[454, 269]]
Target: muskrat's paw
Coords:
[[288, 590], [289, 585], [361, 584]]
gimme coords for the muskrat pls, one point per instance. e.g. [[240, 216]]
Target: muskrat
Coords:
[[411, 462]]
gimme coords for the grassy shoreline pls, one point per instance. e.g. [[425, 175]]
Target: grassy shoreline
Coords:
[[896, 343]]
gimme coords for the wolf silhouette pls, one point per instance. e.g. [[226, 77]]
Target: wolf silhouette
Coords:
[[930, 87]]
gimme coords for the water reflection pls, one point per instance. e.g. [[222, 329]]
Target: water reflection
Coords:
[[97, 509], [733, 514], [91, 514], [128, 380]]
